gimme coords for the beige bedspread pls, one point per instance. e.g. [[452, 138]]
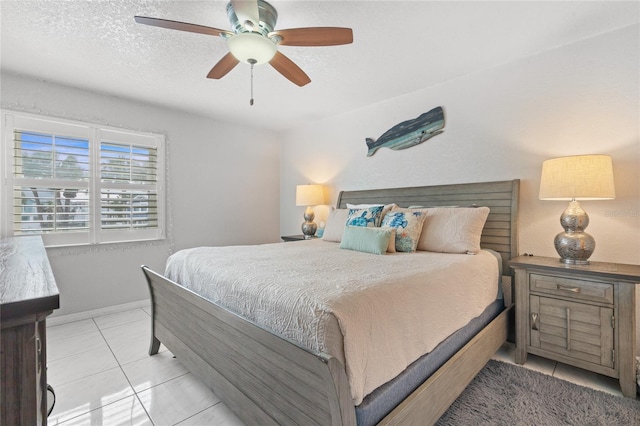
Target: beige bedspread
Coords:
[[377, 314]]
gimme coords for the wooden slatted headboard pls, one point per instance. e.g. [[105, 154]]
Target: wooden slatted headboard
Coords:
[[500, 232]]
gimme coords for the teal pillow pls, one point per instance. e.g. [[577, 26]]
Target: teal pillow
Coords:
[[366, 239]]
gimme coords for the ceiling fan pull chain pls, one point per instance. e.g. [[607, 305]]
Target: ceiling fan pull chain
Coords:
[[252, 62]]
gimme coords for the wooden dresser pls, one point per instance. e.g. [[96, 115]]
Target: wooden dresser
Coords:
[[582, 315], [28, 294]]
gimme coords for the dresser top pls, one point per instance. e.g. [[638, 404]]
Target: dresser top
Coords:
[[27, 285], [621, 271]]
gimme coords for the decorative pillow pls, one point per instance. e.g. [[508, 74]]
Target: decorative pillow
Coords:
[[362, 206], [392, 241], [427, 207], [453, 229], [366, 239], [334, 228], [369, 217], [408, 224], [386, 208]]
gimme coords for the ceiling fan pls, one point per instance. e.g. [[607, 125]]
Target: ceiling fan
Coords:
[[254, 40]]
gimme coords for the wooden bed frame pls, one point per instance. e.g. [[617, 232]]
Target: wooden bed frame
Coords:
[[267, 380]]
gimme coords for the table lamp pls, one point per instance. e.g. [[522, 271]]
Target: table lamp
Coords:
[[580, 177], [309, 195]]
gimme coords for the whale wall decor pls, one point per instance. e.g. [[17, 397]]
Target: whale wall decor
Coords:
[[409, 133]]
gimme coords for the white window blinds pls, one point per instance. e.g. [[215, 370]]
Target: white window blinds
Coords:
[[51, 175], [128, 197], [74, 183]]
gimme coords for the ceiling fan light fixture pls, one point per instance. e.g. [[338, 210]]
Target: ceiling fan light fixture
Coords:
[[252, 39], [251, 46]]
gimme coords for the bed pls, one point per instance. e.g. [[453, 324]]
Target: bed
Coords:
[[267, 378]]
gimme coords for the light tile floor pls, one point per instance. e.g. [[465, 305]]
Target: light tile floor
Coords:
[[102, 375]]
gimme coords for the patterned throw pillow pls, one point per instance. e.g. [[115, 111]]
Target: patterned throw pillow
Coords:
[[369, 217], [386, 208], [408, 224]]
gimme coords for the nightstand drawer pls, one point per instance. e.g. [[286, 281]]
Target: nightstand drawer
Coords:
[[574, 288], [577, 330]]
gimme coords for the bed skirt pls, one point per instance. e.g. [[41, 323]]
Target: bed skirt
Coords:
[[381, 401]]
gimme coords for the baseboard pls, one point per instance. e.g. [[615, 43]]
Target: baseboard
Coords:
[[64, 319]]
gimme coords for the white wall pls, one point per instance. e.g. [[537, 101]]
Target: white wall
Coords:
[[501, 123], [223, 185]]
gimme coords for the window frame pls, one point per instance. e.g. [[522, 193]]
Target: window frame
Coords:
[[95, 134]]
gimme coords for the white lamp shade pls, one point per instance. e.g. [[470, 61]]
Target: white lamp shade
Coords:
[[580, 177], [246, 46], [309, 195]]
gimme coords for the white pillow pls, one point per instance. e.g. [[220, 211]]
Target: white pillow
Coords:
[[453, 229], [334, 228]]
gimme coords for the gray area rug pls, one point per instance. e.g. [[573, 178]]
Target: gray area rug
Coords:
[[506, 394]]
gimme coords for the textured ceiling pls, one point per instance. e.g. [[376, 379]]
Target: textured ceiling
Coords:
[[399, 47]]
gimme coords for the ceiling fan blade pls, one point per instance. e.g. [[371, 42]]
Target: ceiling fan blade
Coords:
[[289, 70], [247, 10], [224, 65], [314, 36], [181, 26]]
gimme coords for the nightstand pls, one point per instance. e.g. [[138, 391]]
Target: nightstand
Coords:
[[582, 315], [287, 238]]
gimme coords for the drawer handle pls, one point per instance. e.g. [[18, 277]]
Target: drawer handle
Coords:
[[565, 288], [535, 318], [39, 353], [568, 329]]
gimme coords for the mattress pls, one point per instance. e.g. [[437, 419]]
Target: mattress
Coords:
[[384, 399], [376, 314]]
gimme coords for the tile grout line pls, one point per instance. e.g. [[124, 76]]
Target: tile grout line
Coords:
[[135, 394], [119, 366], [158, 384], [89, 410], [143, 407], [195, 414], [49, 340]]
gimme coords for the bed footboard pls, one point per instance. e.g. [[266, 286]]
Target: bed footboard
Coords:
[[431, 399], [261, 377]]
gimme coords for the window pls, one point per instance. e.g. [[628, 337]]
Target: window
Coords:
[[76, 183]]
